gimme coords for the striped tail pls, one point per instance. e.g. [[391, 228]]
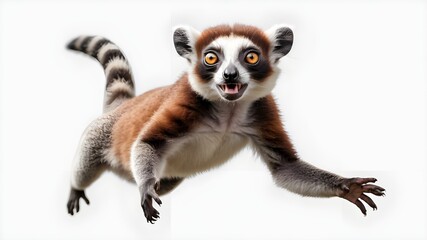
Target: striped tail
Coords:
[[120, 85]]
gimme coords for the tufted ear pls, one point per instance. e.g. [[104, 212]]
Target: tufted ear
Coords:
[[184, 39], [281, 38]]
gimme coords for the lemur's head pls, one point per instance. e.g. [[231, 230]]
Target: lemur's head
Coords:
[[233, 62]]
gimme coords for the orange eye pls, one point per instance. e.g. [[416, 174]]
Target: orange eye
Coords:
[[211, 58], [252, 58]]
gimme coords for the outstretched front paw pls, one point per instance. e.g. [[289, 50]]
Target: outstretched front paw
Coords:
[[147, 196], [354, 189], [74, 200]]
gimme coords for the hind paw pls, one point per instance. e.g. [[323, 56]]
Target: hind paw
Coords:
[[74, 199]]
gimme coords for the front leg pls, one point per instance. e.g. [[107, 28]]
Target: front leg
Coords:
[[145, 165], [272, 143], [156, 138], [304, 179]]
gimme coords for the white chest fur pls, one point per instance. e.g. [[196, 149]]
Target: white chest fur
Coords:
[[210, 145], [202, 152]]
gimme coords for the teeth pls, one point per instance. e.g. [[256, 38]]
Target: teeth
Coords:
[[232, 88]]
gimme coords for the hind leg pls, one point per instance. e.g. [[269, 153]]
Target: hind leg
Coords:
[[81, 179], [88, 165]]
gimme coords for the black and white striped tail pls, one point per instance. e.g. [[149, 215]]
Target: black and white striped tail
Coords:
[[120, 85]]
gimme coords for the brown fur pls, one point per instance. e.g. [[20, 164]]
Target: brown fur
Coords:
[[134, 115], [160, 114], [254, 34], [266, 119]]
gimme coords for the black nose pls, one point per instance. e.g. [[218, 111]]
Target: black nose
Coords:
[[231, 73]]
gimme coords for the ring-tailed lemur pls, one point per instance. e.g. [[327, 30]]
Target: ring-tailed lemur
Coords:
[[222, 104]]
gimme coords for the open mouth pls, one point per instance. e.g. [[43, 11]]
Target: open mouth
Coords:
[[232, 91]]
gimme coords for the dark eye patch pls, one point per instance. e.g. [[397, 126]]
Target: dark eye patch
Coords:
[[258, 71], [205, 71]]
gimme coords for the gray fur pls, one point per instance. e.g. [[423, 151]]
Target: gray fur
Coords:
[[90, 160], [304, 179], [145, 163], [296, 175], [94, 156]]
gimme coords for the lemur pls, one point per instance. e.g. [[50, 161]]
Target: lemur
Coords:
[[222, 104]]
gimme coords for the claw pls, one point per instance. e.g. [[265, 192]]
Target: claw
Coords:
[[86, 200], [77, 206], [364, 180], [360, 205], [377, 188], [158, 201], [369, 201], [374, 189]]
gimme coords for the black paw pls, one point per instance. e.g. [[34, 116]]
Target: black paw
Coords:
[[147, 196], [73, 200]]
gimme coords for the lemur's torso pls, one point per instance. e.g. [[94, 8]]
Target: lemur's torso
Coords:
[[222, 129]]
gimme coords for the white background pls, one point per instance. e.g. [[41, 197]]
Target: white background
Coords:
[[352, 93]]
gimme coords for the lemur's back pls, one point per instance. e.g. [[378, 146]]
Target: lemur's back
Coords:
[[133, 115]]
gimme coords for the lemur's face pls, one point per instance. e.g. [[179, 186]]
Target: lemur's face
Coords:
[[233, 63]]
